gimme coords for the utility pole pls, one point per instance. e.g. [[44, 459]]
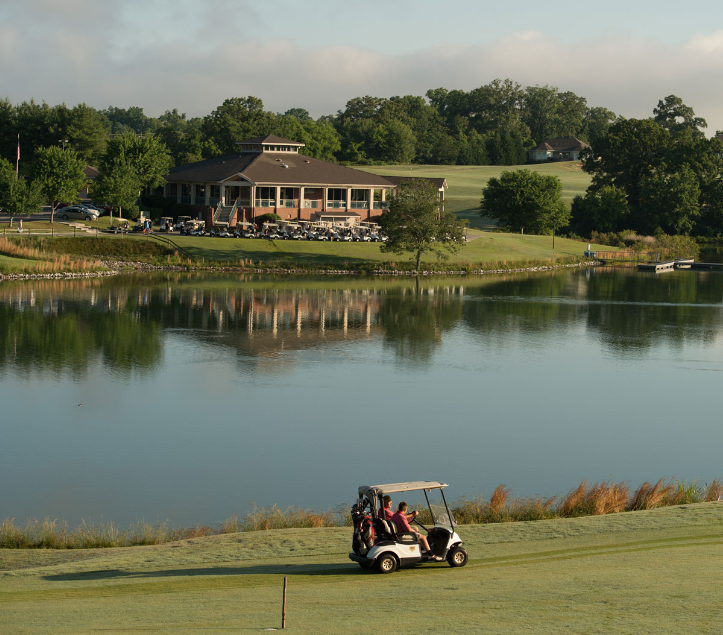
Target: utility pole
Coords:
[[63, 141]]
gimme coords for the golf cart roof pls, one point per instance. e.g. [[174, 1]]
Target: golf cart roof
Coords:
[[390, 488]]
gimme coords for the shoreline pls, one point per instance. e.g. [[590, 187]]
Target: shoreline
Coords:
[[120, 267]]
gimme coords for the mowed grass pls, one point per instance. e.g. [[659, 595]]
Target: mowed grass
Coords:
[[466, 182], [482, 248], [656, 571]]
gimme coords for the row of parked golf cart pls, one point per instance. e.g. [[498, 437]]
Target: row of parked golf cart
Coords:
[[303, 230]]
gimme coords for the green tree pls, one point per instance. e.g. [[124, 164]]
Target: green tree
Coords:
[[604, 209], [118, 185], [631, 150], [235, 120], [417, 223], [525, 199], [147, 156], [673, 115], [393, 141], [86, 131], [18, 195], [60, 175], [670, 200]]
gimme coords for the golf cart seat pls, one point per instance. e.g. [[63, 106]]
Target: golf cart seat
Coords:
[[385, 529]]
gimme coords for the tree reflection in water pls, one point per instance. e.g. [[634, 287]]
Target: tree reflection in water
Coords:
[[66, 326]]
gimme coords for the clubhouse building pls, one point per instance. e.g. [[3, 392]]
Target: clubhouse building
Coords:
[[268, 175]]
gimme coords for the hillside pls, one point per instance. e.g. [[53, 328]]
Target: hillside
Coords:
[[465, 182]]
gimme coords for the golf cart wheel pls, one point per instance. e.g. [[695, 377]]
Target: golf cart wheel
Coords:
[[457, 557], [64, 217], [386, 563], [87, 218]]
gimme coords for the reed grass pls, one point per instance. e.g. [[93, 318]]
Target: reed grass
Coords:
[[597, 499], [45, 262]]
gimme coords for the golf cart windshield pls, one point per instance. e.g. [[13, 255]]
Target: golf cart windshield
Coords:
[[440, 516]]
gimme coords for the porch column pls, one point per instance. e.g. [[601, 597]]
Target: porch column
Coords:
[[278, 198], [370, 208], [348, 198], [222, 193], [253, 203], [301, 201], [207, 197], [326, 199]]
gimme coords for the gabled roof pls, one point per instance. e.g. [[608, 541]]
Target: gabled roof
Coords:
[[439, 183], [269, 138], [272, 168], [561, 144]]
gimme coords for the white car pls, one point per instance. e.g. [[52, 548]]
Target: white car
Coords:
[[377, 544], [76, 211]]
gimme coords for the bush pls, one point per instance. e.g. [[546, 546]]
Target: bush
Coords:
[[268, 218]]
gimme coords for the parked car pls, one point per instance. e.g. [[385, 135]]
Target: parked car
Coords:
[[76, 211]]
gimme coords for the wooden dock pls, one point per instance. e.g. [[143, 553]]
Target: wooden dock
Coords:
[[680, 263]]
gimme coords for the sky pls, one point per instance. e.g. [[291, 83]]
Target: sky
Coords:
[[318, 54]]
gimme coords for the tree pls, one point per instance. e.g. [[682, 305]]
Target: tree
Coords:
[[670, 200], [235, 120], [117, 185], [417, 223], [604, 209], [18, 195], [86, 131], [147, 156], [525, 199], [673, 115], [60, 175]]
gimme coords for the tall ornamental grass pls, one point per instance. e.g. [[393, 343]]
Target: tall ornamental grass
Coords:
[[584, 500]]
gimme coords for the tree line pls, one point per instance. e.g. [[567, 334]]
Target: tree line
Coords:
[[494, 124]]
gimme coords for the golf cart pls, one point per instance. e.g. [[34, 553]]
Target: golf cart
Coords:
[[377, 543], [220, 230], [166, 224], [119, 227], [181, 222], [244, 229]]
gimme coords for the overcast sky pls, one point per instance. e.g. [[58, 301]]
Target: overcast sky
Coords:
[[317, 54]]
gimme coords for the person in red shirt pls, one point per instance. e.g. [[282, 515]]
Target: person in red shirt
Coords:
[[400, 520]]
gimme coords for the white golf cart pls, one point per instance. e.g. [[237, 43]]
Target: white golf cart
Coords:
[[166, 224], [377, 543]]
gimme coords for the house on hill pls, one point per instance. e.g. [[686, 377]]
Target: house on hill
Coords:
[[558, 149], [268, 175]]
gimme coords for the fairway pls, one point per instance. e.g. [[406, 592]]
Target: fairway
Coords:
[[466, 182], [655, 572]]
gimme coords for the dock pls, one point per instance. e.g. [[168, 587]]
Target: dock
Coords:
[[680, 263]]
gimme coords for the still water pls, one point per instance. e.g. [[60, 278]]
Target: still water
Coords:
[[187, 399]]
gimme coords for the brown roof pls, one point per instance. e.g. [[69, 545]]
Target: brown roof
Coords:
[[91, 172], [268, 168], [562, 144], [269, 138], [439, 183]]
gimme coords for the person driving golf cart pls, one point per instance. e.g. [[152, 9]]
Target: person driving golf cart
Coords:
[[378, 544], [401, 520]]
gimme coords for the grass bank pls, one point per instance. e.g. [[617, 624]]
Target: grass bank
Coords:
[[656, 571], [483, 251], [584, 500]]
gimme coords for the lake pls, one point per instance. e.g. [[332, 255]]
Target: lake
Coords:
[[188, 398]]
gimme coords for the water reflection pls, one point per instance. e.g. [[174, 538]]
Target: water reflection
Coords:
[[50, 327]]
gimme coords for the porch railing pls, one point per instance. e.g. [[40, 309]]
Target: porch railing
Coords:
[[359, 205], [336, 204], [265, 202], [311, 204], [381, 204]]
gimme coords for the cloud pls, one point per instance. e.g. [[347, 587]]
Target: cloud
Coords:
[[202, 57]]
